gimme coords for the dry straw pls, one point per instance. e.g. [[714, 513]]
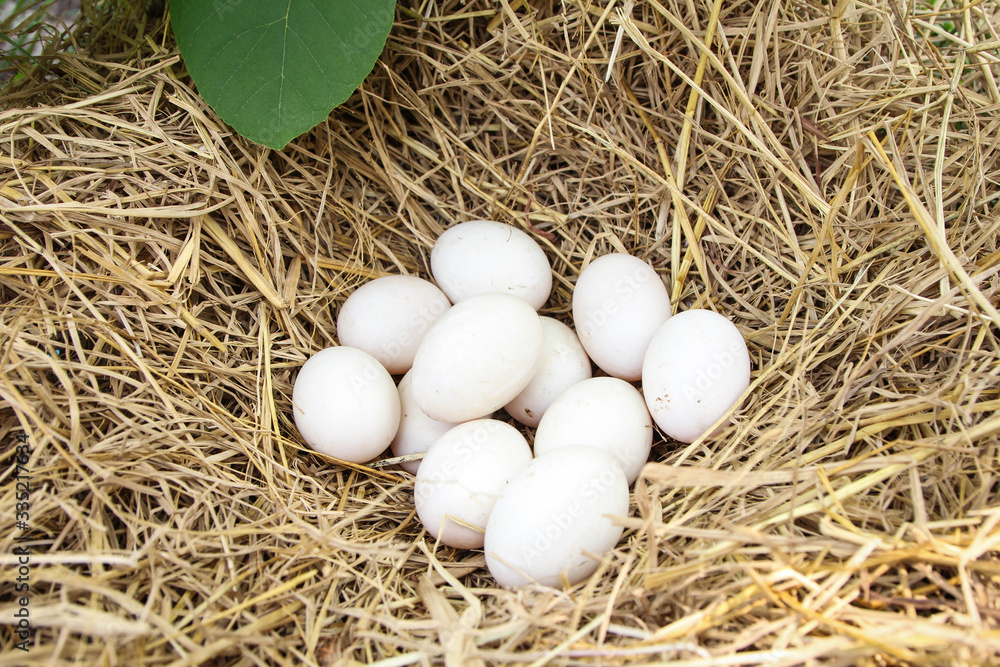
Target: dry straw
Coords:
[[823, 173]]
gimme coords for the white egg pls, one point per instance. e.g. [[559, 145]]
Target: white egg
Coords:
[[345, 404], [606, 413], [618, 303], [486, 256], [416, 430], [697, 367], [461, 477], [563, 364], [388, 317], [478, 356], [552, 516]]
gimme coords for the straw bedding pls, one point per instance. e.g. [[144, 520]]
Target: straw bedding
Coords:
[[824, 174]]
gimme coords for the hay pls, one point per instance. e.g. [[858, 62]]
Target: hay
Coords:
[[825, 174]]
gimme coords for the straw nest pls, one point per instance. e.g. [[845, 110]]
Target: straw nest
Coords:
[[824, 174]]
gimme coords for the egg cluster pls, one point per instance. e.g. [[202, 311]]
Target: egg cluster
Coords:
[[475, 344]]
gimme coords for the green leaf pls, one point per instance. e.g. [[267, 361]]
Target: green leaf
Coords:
[[273, 69]]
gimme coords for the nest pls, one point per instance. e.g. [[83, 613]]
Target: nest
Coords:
[[823, 174]]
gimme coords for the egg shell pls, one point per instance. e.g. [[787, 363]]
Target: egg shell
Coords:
[[618, 303], [388, 317], [462, 476], [601, 412], [481, 256], [477, 357], [696, 368], [417, 432], [555, 513], [345, 404], [563, 363]]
